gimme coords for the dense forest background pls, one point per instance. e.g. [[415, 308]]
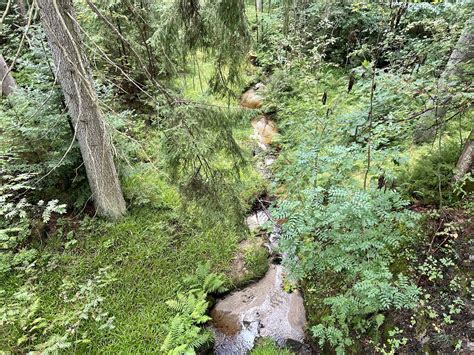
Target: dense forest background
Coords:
[[128, 167]]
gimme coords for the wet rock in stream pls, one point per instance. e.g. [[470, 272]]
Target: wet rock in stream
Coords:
[[262, 309], [252, 98], [264, 131], [256, 220]]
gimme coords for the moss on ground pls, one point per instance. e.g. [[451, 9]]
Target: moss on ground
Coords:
[[150, 252], [268, 347]]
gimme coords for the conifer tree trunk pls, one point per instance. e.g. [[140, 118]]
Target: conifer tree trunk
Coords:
[[462, 53], [466, 159], [59, 21], [7, 83]]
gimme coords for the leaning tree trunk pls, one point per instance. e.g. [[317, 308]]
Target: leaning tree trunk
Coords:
[[63, 33], [462, 53], [466, 159], [7, 83]]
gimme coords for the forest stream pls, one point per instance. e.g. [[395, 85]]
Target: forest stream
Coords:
[[262, 309], [236, 177]]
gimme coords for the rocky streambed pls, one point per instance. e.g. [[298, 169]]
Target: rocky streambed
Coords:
[[264, 308]]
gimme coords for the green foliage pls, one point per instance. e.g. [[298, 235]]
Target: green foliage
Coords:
[[346, 33], [28, 327], [132, 51], [256, 261], [217, 28], [58, 278], [191, 152], [355, 236], [37, 133], [429, 178], [33, 159], [144, 186], [343, 242], [205, 280], [202, 155], [394, 341], [24, 326], [267, 346], [184, 332], [311, 32], [15, 216], [444, 282], [151, 250], [34, 118]]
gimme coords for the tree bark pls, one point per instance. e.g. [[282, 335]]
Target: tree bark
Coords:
[[466, 159], [7, 83], [259, 5], [462, 53], [59, 21]]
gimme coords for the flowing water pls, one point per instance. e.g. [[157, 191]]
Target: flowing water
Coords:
[[262, 309]]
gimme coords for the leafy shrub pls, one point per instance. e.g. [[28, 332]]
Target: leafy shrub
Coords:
[[23, 318], [353, 236], [37, 134]]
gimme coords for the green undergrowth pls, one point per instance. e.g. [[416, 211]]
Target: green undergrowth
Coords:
[[256, 261], [186, 333], [87, 285], [268, 347], [149, 251], [194, 83], [343, 227], [439, 261], [428, 176], [94, 285]]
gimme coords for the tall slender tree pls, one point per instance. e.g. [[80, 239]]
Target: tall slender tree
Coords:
[[466, 159], [7, 83], [462, 53], [63, 33]]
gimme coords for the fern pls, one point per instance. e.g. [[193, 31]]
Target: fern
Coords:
[[185, 333], [204, 279]]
